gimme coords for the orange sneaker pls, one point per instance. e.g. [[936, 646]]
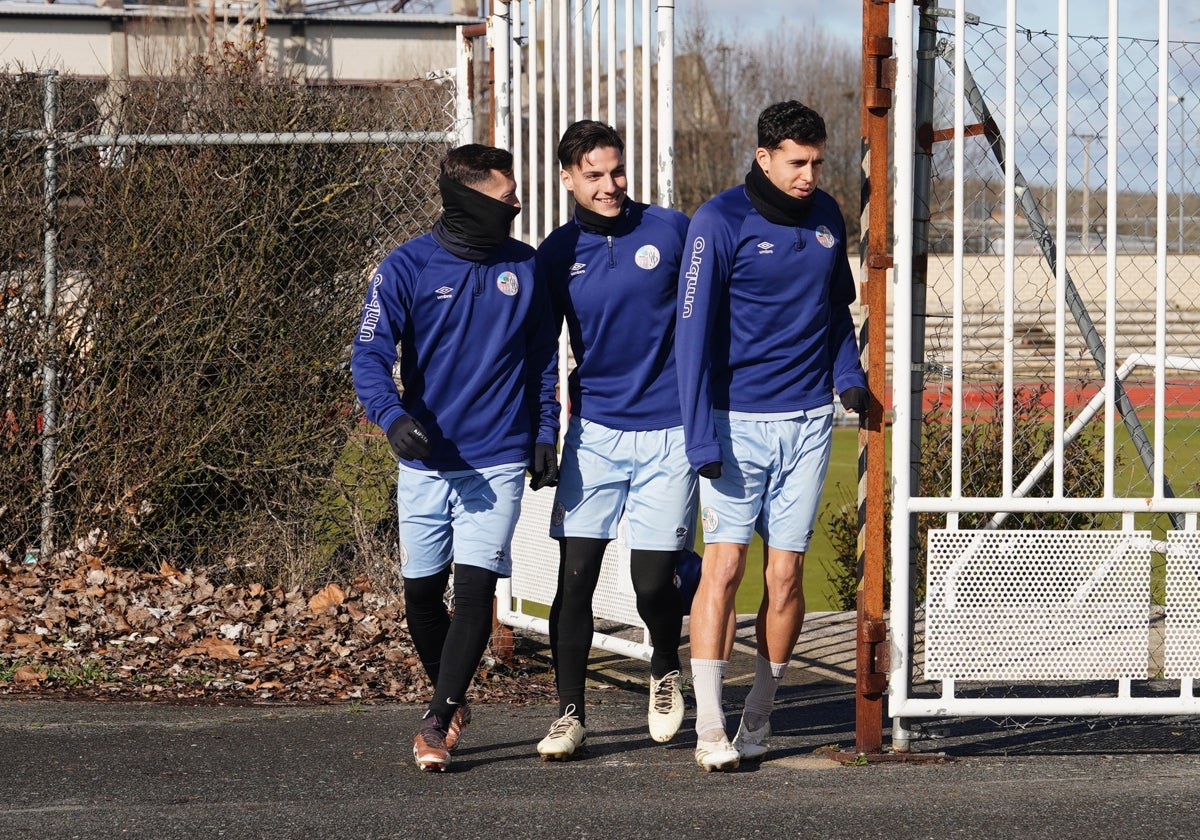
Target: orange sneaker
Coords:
[[429, 745]]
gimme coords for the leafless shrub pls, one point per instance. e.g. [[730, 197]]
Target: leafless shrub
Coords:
[[208, 299]]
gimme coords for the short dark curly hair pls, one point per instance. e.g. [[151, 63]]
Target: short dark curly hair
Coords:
[[790, 120]]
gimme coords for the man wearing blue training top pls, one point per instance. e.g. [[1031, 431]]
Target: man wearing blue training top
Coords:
[[471, 314], [764, 337], [614, 272]]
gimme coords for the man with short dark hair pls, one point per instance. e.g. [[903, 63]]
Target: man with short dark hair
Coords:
[[764, 338], [614, 271], [471, 314]]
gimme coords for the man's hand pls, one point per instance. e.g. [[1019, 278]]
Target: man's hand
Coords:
[[710, 471], [408, 438], [856, 399], [543, 470]]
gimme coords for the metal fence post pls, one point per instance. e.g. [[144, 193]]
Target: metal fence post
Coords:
[[49, 429]]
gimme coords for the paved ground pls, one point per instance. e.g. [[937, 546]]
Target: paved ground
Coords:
[[150, 770]]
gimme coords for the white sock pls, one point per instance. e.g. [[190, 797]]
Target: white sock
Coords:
[[761, 698], [708, 683]]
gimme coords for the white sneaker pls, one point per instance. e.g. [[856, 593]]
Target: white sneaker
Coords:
[[666, 707], [752, 744], [716, 755], [565, 737]]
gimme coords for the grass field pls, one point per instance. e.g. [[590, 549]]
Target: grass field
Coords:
[[841, 487]]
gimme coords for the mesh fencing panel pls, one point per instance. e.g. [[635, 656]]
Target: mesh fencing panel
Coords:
[[1087, 201], [207, 280], [1109, 257]]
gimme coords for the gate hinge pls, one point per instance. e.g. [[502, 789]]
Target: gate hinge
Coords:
[[879, 73], [872, 641]]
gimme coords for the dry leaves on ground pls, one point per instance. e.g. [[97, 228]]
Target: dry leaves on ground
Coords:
[[77, 626]]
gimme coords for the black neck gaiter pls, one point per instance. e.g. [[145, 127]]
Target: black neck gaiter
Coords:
[[596, 223], [772, 203], [472, 224]]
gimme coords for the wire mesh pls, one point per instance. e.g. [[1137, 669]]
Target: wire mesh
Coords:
[[204, 300], [1113, 232]]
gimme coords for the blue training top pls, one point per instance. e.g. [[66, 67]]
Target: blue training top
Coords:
[[477, 352], [618, 293], [764, 322]]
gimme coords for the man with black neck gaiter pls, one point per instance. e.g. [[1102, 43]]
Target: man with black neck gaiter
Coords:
[[470, 314], [763, 339], [613, 271]]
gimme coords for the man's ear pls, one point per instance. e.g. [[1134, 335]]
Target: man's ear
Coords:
[[763, 156], [565, 177]]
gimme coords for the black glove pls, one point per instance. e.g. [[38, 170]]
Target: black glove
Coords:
[[543, 471], [856, 399], [408, 438], [710, 471]]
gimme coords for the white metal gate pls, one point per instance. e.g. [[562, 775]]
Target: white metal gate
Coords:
[[557, 61], [1044, 552]]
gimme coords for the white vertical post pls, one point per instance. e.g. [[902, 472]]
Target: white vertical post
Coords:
[[594, 63], [499, 41], [464, 112], [549, 190], [564, 66], [956, 390], [647, 128], [1160, 302], [902, 233], [1010, 237], [666, 103], [577, 27], [1060, 265], [524, 225], [610, 63], [1112, 139], [535, 144], [630, 128]]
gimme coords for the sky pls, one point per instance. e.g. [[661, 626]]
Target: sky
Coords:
[[843, 18]]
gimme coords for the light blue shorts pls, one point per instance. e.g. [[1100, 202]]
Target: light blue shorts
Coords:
[[645, 475], [464, 516], [772, 475]]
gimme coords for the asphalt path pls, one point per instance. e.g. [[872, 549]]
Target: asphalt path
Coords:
[[89, 769]]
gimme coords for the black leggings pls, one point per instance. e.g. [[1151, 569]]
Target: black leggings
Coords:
[[464, 637], [571, 624]]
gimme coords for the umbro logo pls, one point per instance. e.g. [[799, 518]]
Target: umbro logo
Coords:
[[444, 292], [578, 269], [766, 247]]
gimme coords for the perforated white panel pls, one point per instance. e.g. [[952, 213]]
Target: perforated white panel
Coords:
[[1181, 657], [535, 564], [1037, 605]]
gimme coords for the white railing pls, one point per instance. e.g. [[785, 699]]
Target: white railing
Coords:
[[557, 61], [1014, 621]]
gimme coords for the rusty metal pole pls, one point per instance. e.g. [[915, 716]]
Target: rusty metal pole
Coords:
[[878, 78]]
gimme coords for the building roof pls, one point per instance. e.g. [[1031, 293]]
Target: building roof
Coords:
[[142, 11]]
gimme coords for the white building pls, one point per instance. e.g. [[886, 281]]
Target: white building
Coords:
[[118, 41]]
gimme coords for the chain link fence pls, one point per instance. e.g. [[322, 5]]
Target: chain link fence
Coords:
[[1087, 201], [184, 263], [1132, 243]]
